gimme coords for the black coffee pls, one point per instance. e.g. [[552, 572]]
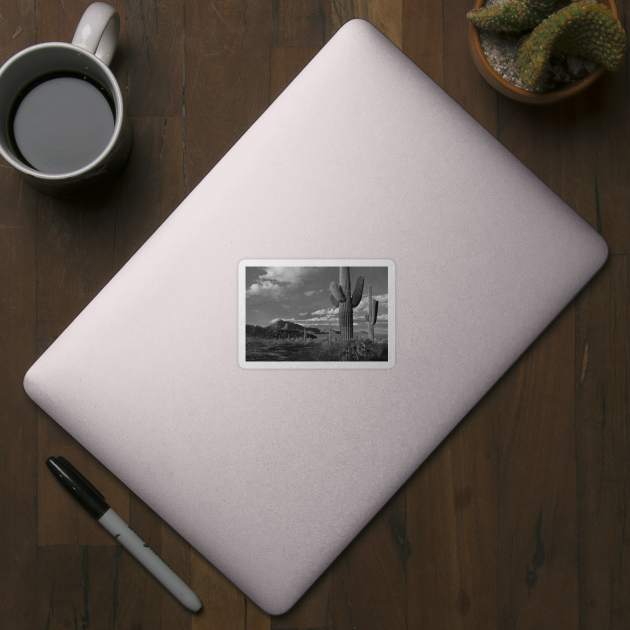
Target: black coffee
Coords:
[[61, 123]]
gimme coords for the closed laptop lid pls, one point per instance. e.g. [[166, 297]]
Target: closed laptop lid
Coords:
[[362, 163]]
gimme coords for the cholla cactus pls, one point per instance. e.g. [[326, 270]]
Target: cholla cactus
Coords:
[[584, 29], [346, 301], [372, 313], [513, 16]]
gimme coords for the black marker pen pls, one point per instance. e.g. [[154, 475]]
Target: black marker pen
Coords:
[[94, 502]]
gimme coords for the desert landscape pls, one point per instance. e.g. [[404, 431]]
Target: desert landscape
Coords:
[[349, 325]]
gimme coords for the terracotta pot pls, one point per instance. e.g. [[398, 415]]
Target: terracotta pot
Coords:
[[518, 94]]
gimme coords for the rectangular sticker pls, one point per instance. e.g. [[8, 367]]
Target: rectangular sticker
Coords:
[[314, 314]]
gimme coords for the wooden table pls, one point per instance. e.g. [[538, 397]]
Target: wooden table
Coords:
[[518, 520]]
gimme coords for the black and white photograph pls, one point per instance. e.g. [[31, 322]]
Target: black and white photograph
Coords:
[[320, 314]]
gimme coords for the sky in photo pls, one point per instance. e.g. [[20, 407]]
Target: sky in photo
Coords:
[[302, 295]]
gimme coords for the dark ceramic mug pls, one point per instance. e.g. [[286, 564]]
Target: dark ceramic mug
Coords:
[[102, 145]]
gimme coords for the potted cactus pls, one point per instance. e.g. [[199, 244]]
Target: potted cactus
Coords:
[[541, 33]]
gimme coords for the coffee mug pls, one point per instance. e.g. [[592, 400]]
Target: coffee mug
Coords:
[[62, 114]]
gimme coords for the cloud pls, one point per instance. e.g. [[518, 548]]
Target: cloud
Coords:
[[264, 288], [309, 293], [303, 314], [285, 275], [277, 282], [326, 312]]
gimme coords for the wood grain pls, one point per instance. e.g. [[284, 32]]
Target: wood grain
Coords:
[[537, 510], [461, 79], [574, 150], [452, 515], [422, 36], [369, 577], [313, 609], [285, 64], [226, 78], [224, 606], [154, 57], [602, 380], [72, 592], [18, 416], [386, 15], [300, 22]]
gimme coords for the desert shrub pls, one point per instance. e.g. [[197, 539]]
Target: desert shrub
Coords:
[[328, 352], [355, 349]]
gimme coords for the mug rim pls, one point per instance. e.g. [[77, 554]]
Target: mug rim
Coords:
[[118, 122]]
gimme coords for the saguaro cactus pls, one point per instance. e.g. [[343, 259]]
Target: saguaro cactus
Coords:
[[346, 300], [372, 313]]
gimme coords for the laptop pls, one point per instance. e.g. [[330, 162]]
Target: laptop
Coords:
[[316, 316]]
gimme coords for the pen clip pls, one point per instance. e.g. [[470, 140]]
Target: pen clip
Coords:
[[69, 466]]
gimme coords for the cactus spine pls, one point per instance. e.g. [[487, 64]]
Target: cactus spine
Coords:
[[513, 16], [372, 313], [583, 29], [347, 301]]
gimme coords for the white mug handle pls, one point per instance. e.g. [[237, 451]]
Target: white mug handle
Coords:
[[98, 31]]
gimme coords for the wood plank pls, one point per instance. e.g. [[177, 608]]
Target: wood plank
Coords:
[[558, 147], [603, 469], [226, 78], [18, 423], [608, 127], [461, 78], [154, 57], [57, 23], [17, 28], [255, 618], [285, 64], [575, 150], [423, 36], [369, 577], [224, 606], [300, 22], [152, 185], [76, 587], [386, 15], [537, 537], [452, 527], [313, 609]]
